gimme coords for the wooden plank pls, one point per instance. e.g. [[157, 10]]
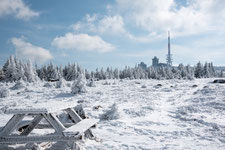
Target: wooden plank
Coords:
[[44, 126], [32, 125], [40, 108], [41, 125], [80, 127], [43, 138], [54, 121], [25, 110], [12, 124], [76, 118]]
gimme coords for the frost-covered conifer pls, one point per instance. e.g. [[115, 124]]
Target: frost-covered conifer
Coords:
[[79, 85], [116, 73], [30, 73], [207, 72], [169, 73], [52, 73], [190, 72], [21, 71], [87, 74], [2, 75], [11, 72], [183, 71], [199, 70], [61, 83]]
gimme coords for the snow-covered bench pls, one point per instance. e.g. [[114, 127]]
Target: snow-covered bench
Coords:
[[70, 132]]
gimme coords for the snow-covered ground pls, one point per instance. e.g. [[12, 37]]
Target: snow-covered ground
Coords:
[[149, 114]]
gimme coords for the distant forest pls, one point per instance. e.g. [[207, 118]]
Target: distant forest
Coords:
[[14, 70]]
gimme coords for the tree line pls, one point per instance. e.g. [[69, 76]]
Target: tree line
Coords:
[[14, 70]]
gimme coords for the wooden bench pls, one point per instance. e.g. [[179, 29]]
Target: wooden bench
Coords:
[[63, 131]]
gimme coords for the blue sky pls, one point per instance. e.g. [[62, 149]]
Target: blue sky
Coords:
[[101, 33]]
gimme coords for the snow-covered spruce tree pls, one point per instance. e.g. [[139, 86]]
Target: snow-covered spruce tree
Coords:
[[116, 73], [183, 71], [199, 70], [2, 75], [161, 73], [206, 71], [153, 73], [87, 74], [52, 73], [209, 70], [190, 72], [11, 72], [212, 70], [71, 72], [60, 71], [96, 74], [21, 71], [102, 74], [79, 85], [4, 68], [42, 73], [30, 73], [169, 73], [109, 73], [61, 83]]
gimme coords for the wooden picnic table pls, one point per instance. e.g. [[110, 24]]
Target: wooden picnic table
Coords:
[[63, 132]]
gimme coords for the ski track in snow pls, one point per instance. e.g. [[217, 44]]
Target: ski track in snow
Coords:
[[174, 115]]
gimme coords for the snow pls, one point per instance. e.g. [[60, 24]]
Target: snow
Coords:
[[166, 114]]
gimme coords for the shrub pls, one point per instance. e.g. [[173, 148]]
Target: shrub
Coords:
[[48, 85], [79, 85], [91, 83], [4, 92], [19, 85], [61, 83], [111, 114]]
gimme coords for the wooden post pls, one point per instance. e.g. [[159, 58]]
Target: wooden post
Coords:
[[12, 124], [76, 118], [32, 125], [54, 121]]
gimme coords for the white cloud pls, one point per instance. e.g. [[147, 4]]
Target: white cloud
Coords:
[[101, 25], [28, 51], [16, 8], [159, 16], [149, 20], [83, 42], [111, 24]]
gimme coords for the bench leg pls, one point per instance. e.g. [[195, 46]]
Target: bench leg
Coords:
[[32, 125], [12, 124], [54, 121], [74, 145], [76, 118]]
